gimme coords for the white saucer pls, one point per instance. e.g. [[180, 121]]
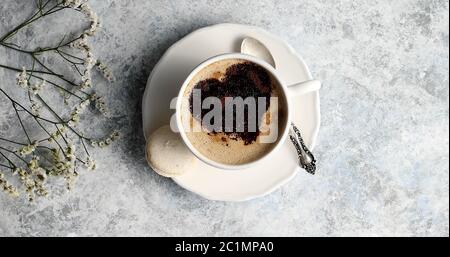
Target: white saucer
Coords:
[[167, 78]]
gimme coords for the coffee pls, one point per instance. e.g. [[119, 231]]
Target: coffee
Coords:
[[233, 136]]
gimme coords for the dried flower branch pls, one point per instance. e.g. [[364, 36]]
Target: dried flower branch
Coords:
[[34, 160]]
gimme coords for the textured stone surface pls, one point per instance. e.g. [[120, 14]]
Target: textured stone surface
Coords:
[[383, 144]]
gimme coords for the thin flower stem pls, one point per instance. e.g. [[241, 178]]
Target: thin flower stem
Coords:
[[50, 109], [70, 55], [67, 59], [29, 78], [60, 132], [61, 87], [20, 26], [13, 44], [29, 112], [43, 155], [77, 69], [48, 133], [48, 72], [38, 15], [31, 74], [6, 149], [20, 70], [14, 153], [43, 140], [42, 50], [58, 117], [56, 10], [84, 146], [21, 123], [68, 42], [78, 159], [16, 48], [51, 72], [6, 158], [45, 147], [41, 78], [17, 28], [12, 142], [6, 166], [20, 158], [74, 63], [58, 47]]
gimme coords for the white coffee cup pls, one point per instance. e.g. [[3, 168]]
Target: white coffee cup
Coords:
[[287, 91]]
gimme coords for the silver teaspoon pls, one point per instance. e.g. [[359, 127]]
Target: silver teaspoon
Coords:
[[306, 158], [254, 47]]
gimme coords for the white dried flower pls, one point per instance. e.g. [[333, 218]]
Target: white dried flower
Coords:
[[28, 149], [81, 44], [115, 135], [70, 178], [75, 115], [105, 71], [101, 106], [57, 134], [70, 155], [33, 182], [77, 110], [34, 163], [40, 190], [86, 80], [99, 103], [35, 108], [66, 99], [40, 174], [56, 156], [74, 119], [93, 18], [7, 187], [63, 162], [27, 182], [65, 167], [70, 148], [22, 79], [34, 89], [86, 10], [72, 3], [89, 61], [62, 130], [86, 84], [108, 140], [90, 164], [92, 28], [81, 106]]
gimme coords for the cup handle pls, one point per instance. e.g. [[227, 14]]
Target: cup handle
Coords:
[[305, 156], [304, 87]]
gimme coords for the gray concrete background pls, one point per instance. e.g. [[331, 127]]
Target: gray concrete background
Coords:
[[382, 149]]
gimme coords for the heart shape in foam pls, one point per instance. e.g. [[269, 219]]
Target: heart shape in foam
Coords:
[[245, 80]]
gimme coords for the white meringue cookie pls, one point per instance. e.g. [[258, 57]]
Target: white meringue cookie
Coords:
[[166, 153]]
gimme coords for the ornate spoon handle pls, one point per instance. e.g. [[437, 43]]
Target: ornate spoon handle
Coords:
[[306, 158]]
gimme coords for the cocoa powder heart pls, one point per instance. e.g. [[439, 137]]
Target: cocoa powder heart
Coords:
[[240, 80]]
